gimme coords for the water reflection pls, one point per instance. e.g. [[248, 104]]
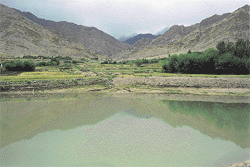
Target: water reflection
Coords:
[[101, 130], [229, 121]]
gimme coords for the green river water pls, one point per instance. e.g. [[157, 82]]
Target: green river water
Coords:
[[108, 130]]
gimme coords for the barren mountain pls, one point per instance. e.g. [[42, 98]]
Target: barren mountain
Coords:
[[24, 33], [138, 37], [90, 37], [20, 36], [124, 38], [198, 37]]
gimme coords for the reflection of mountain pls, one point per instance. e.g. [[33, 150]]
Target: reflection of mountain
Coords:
[[25, 119], [226, 120]]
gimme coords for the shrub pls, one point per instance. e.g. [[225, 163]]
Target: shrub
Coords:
[[40, 64], [55, 60], [105, 62]]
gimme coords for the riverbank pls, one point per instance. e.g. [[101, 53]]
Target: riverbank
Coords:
[[154, 85]]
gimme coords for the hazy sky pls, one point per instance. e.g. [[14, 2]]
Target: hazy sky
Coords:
[[125, 17]]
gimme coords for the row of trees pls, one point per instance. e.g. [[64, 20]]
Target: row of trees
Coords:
[[228, 58], [19, 65], [52, 62]]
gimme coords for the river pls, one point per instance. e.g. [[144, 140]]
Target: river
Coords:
[[95, 129]]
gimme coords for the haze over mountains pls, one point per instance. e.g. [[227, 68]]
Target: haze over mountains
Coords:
[[138, 37], [148, 35], [24, 33]]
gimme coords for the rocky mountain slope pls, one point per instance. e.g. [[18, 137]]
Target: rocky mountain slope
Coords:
[[89, 37], [162, 31], [24, 33], [19, 36], [198, 37]]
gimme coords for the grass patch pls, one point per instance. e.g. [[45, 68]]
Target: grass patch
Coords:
[[31, 76]]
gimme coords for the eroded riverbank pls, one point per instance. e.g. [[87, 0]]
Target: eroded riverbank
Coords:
[[154, 85]]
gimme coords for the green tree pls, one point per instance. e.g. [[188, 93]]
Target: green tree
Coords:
[[242, 48], [55, 60], [221, 46], [138, 62], [229, 47], [28, 66]]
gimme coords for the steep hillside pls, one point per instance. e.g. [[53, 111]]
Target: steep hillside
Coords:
[[138, 37], [174, 33], [90, 37], [19, 36], [198, 37]]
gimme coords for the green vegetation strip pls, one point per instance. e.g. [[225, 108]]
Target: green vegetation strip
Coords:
[[31, 76]]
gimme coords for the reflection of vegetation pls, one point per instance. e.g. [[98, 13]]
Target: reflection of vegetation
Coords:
[[223, 114]]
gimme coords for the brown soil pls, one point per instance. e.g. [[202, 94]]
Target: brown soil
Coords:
[[196, 82]]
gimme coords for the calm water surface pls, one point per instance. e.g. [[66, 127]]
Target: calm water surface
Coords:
[[104, 130]]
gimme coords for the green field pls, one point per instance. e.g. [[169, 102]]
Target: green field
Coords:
[[97, 70]]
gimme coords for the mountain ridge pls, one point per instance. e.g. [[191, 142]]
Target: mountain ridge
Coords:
[[20, 36], [197, 37], [138, 37], [90, 37], [24, 33]]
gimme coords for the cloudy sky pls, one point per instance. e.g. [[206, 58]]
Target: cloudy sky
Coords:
[[125, 17]]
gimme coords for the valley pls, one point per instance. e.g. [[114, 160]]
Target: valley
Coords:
[[22, 33]]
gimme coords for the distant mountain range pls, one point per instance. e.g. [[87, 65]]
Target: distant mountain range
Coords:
[[132, 39], [124, 38], [138, 37], [23, 33], [198, 37]]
